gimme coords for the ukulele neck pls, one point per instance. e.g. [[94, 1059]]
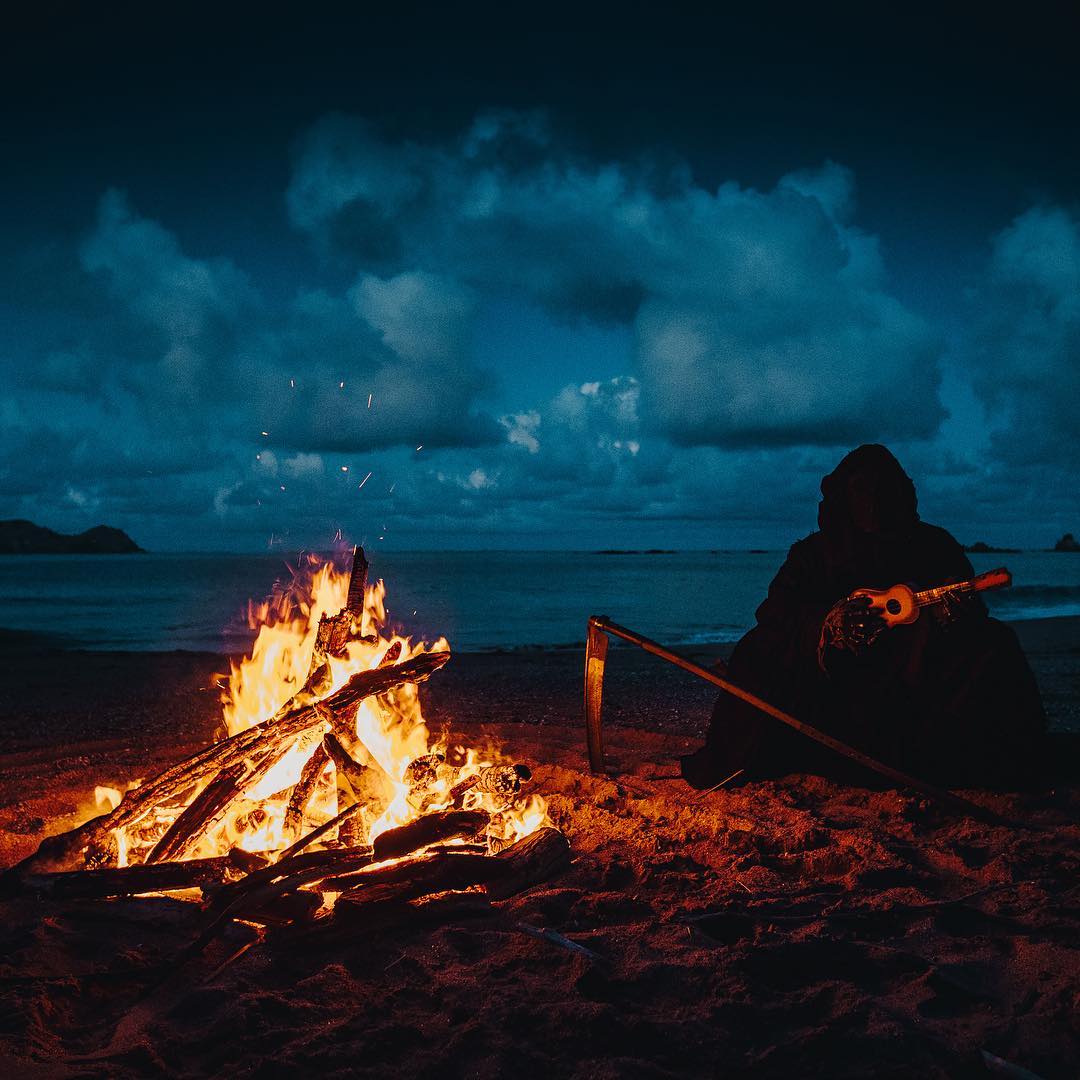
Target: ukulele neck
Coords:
[[932, 596], [992, 579]]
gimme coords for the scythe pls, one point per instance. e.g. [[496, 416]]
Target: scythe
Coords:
[[600, 626]]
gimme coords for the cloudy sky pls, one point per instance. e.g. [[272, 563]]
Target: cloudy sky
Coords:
[[606, 278]]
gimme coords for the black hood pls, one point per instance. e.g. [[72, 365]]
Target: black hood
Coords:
[[868, 492]]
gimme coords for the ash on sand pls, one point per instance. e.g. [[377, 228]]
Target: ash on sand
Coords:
[[789, 928]]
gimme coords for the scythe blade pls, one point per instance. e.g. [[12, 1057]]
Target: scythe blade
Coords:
[[595, 658]]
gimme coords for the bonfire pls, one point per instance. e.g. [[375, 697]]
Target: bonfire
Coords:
[[329, 792]]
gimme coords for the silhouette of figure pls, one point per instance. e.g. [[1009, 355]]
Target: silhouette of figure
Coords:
[[949, 698]]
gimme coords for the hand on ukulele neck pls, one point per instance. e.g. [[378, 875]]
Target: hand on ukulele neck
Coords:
[[953, 607]]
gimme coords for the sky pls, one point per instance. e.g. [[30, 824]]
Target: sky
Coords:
[[496, 277]]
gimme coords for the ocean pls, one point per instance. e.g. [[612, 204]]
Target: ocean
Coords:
[[478, 600]]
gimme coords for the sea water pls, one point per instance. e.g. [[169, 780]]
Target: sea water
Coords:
[[479, 600]]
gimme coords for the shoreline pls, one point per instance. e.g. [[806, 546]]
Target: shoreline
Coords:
[[1034, 633], [53, 694]]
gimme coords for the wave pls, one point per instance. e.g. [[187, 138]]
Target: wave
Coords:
[[1035, 602]]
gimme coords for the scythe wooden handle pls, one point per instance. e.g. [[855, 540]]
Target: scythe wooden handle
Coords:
[[600, 625], [595, 661]]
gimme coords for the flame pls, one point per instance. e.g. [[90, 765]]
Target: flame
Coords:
[[106, 798], [421, 775]]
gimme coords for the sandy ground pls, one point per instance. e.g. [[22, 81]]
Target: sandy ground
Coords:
[[788, 928]]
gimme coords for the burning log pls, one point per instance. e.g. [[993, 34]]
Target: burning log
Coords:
[[374, 893], [429, 829], [304, 868], [304, 789], [392, 655], [336, 631], [529, 862], [504, 780], [68, 851], [300, 869], [369, 786], [143, 878], [316, 687], [275, 733], [207, 808], [422, 777], [537, 858], [263, 886], [320, 831], [390, 886]]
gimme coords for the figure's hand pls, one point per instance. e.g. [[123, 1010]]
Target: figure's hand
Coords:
[[852, 624], [954, 606]]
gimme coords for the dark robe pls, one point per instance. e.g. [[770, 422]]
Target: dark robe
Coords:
[[954, 703]]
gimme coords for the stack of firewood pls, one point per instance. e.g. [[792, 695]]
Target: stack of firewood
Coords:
[[373, 883], [330, 865]]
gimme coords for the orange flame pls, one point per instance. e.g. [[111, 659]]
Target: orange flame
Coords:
[[390, 734]]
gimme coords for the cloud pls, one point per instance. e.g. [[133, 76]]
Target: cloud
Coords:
[[760, 318], [1027, 350], [761, 340]]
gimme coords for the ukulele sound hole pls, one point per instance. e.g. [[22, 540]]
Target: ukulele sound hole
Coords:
[[893, 606]]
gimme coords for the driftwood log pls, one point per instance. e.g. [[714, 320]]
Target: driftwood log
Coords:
[[429, 829], [367, 785], [201, 814], [537, 858], [391, 886], [378, 891], [143, 878], [335, 867], [69, 850]]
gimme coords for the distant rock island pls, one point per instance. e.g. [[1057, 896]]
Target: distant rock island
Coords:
[[980, 548], [1067, 543], [26, 538]]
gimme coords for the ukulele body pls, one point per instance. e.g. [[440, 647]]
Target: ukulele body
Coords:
[[900, 605], [896, 606]]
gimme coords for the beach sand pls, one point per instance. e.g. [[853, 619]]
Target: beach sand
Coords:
[[784, 928]]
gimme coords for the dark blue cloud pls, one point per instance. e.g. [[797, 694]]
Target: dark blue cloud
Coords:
[[761, 318], [761, 334]]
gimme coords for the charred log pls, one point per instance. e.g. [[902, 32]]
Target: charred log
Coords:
[[529, 862], [133, 880], [282, 909], [336, 631], [503, 780], [392, 655], [429, 829], [539, 857], [422, 777], [304, 789], [356, 783], [392, 885], [204, 811]]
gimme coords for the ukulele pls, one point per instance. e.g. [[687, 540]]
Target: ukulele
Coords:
[[900, 605]]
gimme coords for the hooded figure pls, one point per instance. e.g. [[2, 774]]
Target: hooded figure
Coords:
[[949, 698]]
